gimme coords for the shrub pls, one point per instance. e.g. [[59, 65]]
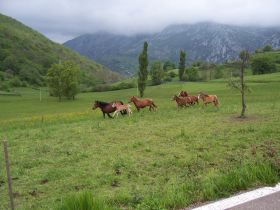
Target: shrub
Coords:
[[192, 74], [16, 82], [263, 65], [167, 79], [172, 74], [218, 73], [267, 48]]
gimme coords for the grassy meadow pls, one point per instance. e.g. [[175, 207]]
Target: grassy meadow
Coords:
[[168, 159]]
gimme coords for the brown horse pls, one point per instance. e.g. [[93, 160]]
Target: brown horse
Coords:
[[142, 103], [209, 99], [107, 108], [181, 101], [183, 93], [194, 99]]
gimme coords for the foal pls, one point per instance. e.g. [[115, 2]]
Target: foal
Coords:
[[121, 107], [209, 99]]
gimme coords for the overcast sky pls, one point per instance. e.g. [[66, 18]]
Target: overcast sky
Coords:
[[62, 20]]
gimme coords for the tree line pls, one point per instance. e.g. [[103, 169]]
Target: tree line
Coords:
[[260, 63]]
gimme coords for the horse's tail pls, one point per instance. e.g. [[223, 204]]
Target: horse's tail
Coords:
[[216, 101]]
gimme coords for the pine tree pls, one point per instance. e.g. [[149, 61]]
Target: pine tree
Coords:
[[143, 69], [182, 64]]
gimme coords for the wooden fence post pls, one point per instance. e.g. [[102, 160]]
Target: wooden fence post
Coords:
[[7, 162]]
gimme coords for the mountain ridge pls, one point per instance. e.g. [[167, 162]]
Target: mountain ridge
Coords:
[[207, 41]]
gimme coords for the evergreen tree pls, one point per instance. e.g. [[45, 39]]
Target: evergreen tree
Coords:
[[143, 69], [182, 64]]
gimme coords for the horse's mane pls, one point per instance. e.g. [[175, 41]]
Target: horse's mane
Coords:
[[204, 94], [102, 103]]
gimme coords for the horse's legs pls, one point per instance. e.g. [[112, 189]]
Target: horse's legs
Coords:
[[103, 115], [114, 113], [109, 115]]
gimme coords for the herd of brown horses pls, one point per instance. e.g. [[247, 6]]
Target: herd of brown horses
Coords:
[[183, 99]]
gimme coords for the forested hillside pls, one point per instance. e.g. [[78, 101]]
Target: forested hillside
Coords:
[[26, 55]]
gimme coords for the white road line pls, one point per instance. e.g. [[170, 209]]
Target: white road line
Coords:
[[239, 199]]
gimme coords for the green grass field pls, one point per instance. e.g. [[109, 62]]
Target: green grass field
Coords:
[[167, 159]]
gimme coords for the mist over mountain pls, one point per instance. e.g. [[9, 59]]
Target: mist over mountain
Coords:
[[207, 41]]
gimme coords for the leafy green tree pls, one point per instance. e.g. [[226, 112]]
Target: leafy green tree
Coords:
[[168, 65], [192, 74], [182, 64], [156, 73], [63, 80], [219, 73], [263, 65], [267, 48], [143, 69]]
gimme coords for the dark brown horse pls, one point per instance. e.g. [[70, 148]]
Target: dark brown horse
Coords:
[[183, 93], [182, 101], [107, 108], [209, 99], [142, 103]]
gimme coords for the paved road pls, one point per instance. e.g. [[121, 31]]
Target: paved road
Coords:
[[269, 202], [266, 198]]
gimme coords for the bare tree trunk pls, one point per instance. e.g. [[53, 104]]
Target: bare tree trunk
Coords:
[[242, 90]]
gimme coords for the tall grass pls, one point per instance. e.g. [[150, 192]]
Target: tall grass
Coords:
[[83, 201]]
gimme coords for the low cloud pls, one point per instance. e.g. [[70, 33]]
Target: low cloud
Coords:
[[65, 19]]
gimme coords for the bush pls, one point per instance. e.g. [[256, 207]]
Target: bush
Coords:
[[218, 73], [267, 48], [107, 87], [263, 65], [5, 86], [172, 74], [167, 79], [192, 74], [125, 85], [16, 82]]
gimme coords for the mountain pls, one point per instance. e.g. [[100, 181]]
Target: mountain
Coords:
[[205, 41], [27, 54]]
